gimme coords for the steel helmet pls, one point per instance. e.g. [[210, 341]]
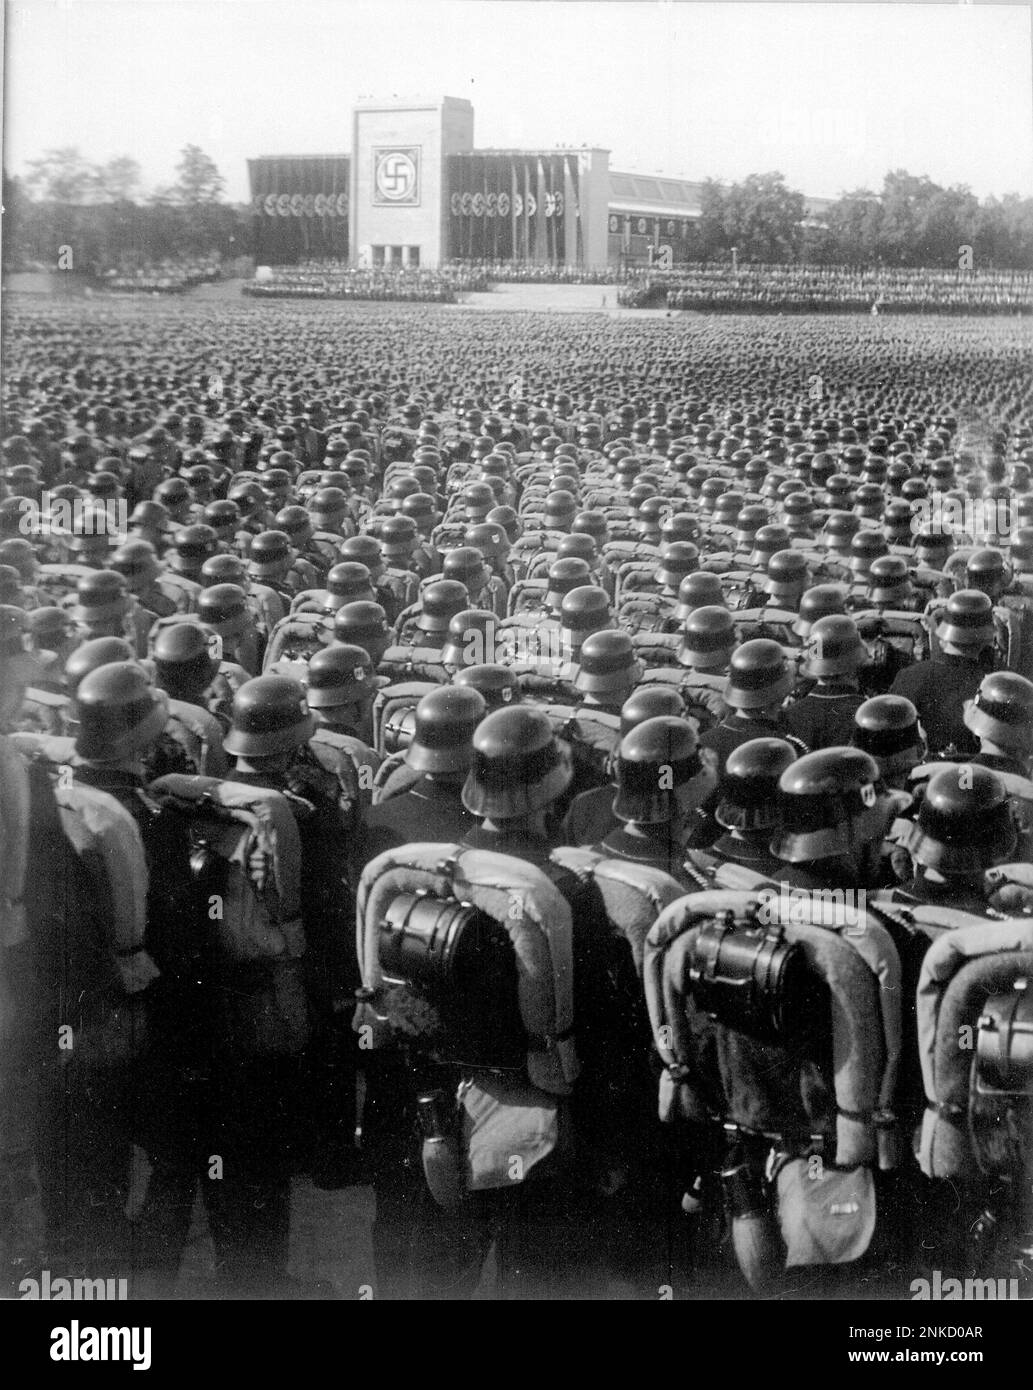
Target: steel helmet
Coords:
[[657, 762], [565, 575], [226, 569], [183, 662], [833, 647], [887, 727], [466, 564], [498, 684], [363, 624], [839, 530], [819, 601], [101, 597], [120, 713], [440, 602], [270, 716], [677, 559], [865, 547], [472, 639], [831, 805], [584, 610], [223, 608], [607, 664], [768, 540], [786, 576], [444, 726], [366, 550], [1002, 711], [758, 675], [708, 637], [340, 674], [101, 651], [889, 581], [270, 551], [519, 766], [591, 523], [650, 702], [748, 789], [987, 570], [964, 823], [967, 624]]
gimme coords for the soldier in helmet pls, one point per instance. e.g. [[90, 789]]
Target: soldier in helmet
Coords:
[[939, 687], [271, 739], [607, 671], [964, 826], [519, 771], [835, 819], [1001, 717], [662, 779], [591, 817], [120, 719], [437, 761], [833, 656], [105, 608], [223, 608], [186, 667], [759, 679], [887, 728], [363, 624], [748, 806], [439, 603], [341, 685], [138, 564]]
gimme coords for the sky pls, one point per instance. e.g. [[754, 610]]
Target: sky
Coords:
[[831, 94]]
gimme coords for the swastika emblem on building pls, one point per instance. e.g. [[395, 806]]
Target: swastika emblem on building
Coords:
[[396, 177]]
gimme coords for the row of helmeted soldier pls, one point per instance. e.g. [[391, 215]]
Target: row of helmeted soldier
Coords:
[[569, 821]]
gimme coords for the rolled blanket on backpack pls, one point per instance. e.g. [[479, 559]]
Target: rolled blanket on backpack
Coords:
[[960, 971], [94, 821]]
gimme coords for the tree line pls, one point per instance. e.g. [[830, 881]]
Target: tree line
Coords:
[[101, 212]]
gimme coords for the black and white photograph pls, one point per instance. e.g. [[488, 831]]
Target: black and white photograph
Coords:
[[516, 665]]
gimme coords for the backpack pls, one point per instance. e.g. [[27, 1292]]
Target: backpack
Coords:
[[527, 596], [636, 577], [657, 648], [773, 623], [966, 978], [511, 892], [393, 714], [784, 1029], [594, 736], [644, 612], [258, 929], [56, 581], [297, 638], [632, 895], [112, 1029], [703, 693], [414, 663], [466, 956]]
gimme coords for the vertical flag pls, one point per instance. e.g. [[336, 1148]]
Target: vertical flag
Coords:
[[541, 249]]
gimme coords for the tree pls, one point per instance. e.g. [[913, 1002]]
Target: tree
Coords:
[[711, 223], [199, 180], [118, 179], [762, 217], [61, 176], [854, 222]]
